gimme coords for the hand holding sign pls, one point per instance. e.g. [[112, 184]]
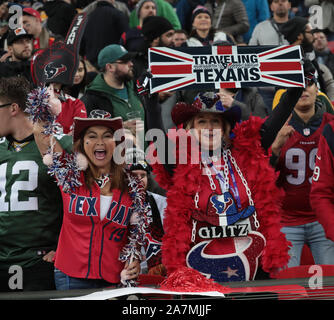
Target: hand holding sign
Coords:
[[226, 97]]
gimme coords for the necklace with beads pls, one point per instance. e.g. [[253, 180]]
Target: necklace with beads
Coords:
[[223, 177]]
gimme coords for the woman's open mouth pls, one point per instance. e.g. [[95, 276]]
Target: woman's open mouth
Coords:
[[100, 154]]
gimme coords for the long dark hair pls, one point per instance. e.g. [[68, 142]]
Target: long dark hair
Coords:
[[75, 89], [117, 174]]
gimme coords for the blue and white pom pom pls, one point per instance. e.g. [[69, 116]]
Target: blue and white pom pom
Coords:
[[38, 108], [66, 167]]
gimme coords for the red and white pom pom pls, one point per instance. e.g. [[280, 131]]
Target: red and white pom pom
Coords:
[[47, 159], [82, 162], [54, 102]]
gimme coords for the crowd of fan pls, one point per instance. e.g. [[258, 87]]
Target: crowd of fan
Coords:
[[113, 54]]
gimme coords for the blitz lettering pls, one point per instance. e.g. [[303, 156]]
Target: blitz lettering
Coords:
[[216, 232]]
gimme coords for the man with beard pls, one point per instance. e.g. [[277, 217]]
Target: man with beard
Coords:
[[19, 45], [298, 31], [268, 32], [17, 60], [112, 89], [322, 52], [158, 32]]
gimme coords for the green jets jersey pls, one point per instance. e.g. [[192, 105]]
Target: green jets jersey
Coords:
[[30, 206]]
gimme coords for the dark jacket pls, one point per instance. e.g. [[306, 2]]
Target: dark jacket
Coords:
[[15, 68], [132, 39], [327, 58], [105, 26], [60, 15]]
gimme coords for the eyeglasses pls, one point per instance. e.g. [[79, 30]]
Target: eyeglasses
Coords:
[[5, 105]]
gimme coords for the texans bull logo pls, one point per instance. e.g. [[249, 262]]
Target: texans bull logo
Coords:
[[153, 246], [224, 206], [101, 114], [51, 71], [228, 259]]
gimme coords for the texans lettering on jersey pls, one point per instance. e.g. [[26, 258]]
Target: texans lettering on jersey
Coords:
[[86, 206], [89, 246]]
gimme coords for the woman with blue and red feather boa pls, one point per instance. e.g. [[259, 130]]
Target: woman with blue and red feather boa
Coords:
[[222, 217]]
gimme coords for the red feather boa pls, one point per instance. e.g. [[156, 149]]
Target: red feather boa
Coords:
[[182, 187]]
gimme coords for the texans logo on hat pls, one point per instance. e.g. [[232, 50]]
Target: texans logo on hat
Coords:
[[223, 207], [98, 113], [204, 102]]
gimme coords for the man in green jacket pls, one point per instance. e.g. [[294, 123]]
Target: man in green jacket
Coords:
[[112, 90]]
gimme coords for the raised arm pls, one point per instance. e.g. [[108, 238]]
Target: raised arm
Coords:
[[43, 107], [44, 141], [280, 114]]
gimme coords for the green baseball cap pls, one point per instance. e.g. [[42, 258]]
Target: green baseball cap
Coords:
[[112, 53]]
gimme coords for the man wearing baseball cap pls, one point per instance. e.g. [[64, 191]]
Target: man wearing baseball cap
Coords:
[[112, 90], [32, 24], [17, 60], [19, 44]]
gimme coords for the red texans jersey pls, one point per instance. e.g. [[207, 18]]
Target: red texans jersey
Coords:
[[322, 191], [71, 108], [296, 164], [89, 247]]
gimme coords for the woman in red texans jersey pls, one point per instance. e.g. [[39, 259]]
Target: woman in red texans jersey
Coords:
[[96, 212]]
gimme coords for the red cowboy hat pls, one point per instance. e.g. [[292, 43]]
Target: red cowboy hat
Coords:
[[80, 124]]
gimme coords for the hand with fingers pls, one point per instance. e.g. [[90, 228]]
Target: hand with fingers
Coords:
[[131, 270], [282, 136]]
